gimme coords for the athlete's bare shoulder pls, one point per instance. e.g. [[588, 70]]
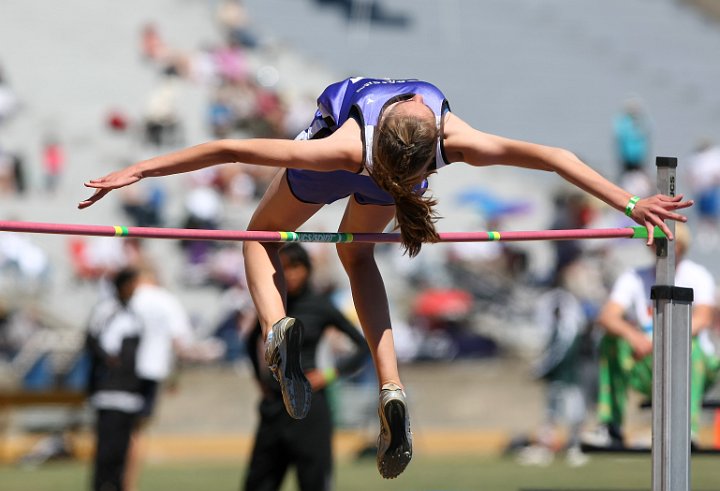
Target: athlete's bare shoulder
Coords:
[[456, 133], [349, 129], [347, 142]]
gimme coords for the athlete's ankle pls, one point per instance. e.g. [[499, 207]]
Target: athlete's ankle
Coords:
[[392, 385]]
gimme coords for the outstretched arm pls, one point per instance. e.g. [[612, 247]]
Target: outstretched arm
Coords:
[[466, 144], [336, 152]]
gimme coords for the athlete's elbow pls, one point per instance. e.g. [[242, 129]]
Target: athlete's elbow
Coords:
[[556, 159], [229, 150]]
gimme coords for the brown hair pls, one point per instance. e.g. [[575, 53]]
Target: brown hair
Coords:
[[403, 150]]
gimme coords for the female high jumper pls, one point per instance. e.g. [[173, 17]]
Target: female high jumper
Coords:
[[377, 141]]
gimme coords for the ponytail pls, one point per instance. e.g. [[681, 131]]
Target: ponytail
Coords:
[[403, 151]]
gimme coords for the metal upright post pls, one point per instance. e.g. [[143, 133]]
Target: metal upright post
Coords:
[[671, 360], [665, 269]]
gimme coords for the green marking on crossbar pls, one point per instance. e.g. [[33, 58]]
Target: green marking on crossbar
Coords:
[[641, 233], [322, 237], [334, 237]]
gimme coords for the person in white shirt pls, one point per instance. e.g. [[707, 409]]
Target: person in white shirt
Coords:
[[704, 177], [167, 329], [167, 335], [626, 348]]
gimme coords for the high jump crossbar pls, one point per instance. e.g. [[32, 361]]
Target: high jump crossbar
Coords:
[[332, 237]]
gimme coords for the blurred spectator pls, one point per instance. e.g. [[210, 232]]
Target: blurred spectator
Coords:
[[632, 143], [637, 182], [626, 347], [22, 329], [145, 204], [152, 47], [235, 23], [572, 211], [704, 173], [53, 157], [204, 208], [296, 115], [6, 351], [443, 317], [9, 102], [7, 173], [23, 261], [231, 63], [243, 105], [226, 267], [162, 122], [199, 66], [505, 262], [115, 389], [368, 11], [12, 173], [241, 96], [19, 173], [220, 114], [281, 441], [496, 263], [270, 112], [632, 136], [97, 257], [167, 335], [561, 318], [237, 184], [237, 319]]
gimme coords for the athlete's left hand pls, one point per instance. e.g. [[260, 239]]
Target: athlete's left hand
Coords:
[[652, 211]]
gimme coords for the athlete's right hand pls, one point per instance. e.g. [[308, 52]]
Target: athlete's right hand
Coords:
[[104, 185]]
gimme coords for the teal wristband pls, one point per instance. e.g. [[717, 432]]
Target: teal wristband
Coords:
[[631, 205]]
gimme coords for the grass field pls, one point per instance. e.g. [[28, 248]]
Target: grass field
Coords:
[[603, 473]]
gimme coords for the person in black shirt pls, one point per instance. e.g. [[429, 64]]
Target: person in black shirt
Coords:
[[114, 388], [280, 440]]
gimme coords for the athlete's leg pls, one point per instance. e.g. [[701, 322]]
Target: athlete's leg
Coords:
[[278, 210], [368, 289]]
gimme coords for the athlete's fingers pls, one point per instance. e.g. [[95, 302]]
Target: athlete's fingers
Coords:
[[684, 204], [665, 212], [667, 215], [663, 226], [650, 233], [112, 181], [92, 199], [97, 184], [673, 202], [665, 197]]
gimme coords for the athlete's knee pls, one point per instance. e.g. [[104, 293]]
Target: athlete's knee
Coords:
[[354, 256], [249, 247]]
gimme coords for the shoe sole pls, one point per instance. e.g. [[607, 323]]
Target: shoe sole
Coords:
[[399, 451], [296, 389]]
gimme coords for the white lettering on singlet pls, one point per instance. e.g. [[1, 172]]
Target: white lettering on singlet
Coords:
[[381, 81]]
